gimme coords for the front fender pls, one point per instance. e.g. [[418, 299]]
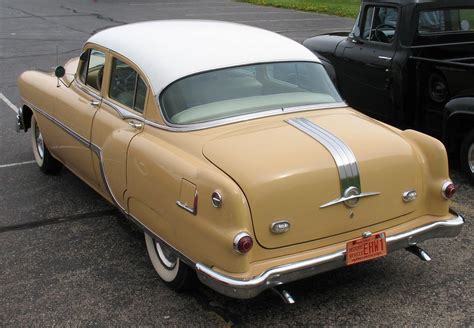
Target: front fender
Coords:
[[324, 45]]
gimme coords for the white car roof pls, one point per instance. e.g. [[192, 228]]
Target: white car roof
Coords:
[[168, 50]]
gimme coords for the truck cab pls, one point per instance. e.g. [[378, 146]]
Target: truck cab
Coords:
[[409, 63]]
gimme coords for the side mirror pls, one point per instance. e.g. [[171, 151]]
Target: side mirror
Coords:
[[59, 72], [356, 35]]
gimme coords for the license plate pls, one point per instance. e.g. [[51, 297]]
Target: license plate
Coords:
[[365, 249]]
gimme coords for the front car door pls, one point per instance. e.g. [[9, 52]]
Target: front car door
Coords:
[[365, 61], [75, 109], [118, 120]]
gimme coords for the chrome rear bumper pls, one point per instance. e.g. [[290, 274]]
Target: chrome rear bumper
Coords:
[[240, 288]]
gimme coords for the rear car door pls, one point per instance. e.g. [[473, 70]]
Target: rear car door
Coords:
[[366, 61], [118, 120]]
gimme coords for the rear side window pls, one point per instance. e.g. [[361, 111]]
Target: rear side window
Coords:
[[126, 86], [446, 21]]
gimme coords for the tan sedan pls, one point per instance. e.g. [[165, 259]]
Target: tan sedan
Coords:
[[233, 151]]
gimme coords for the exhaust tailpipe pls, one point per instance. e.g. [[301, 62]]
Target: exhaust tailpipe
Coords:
[[414, 249]]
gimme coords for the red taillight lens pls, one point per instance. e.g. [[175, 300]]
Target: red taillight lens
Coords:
[[243, 243], [448, 190]]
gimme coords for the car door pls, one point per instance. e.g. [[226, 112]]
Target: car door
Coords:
[[366, 61], [75, 109], [118, 120]]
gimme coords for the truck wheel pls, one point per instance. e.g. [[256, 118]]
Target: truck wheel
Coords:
[[467, 156], [176, 274], [47, 163]]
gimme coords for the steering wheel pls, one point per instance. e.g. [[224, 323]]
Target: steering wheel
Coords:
[[380, 36], [122, 81]]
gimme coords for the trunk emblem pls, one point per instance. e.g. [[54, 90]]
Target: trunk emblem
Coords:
[[348, 193], [350, 197]]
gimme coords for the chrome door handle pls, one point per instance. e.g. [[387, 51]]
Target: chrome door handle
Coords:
[[385, 58], [95, 103], [135, 124]]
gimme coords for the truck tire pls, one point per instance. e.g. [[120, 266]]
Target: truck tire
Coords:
[[467, 156]]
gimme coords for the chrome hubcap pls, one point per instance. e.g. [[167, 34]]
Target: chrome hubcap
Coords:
[[39, 142], [470, 157], [166, 255]]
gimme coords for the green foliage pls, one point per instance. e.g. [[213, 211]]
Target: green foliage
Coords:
[[345, 8]]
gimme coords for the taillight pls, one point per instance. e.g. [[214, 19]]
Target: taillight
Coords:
[[243, 242], [448, 189]]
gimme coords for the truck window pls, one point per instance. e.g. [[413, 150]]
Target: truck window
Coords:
[[448, 20], [380, 24]]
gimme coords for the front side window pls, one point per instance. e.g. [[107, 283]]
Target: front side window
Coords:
[[92, 68], [247, 89], [126, 86], [446, 20], [380, 24]]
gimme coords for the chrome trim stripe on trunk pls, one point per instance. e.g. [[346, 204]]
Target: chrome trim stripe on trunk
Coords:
[[340, 152]]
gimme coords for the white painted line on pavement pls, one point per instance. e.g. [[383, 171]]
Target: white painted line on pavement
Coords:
[[8, 102], [16, 164]]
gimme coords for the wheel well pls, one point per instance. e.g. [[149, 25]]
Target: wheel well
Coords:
[[458, 127], [27, 114]]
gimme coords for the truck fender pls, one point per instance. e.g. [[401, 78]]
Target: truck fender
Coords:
[[458, 119], [329, 67]]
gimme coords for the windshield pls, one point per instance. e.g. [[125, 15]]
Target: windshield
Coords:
[[244, 90], [446, 20]]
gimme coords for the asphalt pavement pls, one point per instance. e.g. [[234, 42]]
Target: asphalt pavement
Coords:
[[69, 258]]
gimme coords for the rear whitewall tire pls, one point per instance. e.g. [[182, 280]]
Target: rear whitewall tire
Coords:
[[169, 267]]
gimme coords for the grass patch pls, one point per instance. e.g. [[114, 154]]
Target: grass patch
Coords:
[[345, 8]]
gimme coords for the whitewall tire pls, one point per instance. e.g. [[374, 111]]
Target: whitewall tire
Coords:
[[47, 163], [169, 267]]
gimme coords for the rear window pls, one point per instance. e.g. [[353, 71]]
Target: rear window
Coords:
[[236, 91], [446, 21]]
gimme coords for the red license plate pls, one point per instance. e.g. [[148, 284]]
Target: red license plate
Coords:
[[365, 249]]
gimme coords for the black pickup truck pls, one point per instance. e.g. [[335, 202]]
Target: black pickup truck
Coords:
[[410, 63]]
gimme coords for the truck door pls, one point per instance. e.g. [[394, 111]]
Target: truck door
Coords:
[[118, 120], [366, 62]]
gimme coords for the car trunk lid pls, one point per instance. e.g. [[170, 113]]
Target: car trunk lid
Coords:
[[286, 174]]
